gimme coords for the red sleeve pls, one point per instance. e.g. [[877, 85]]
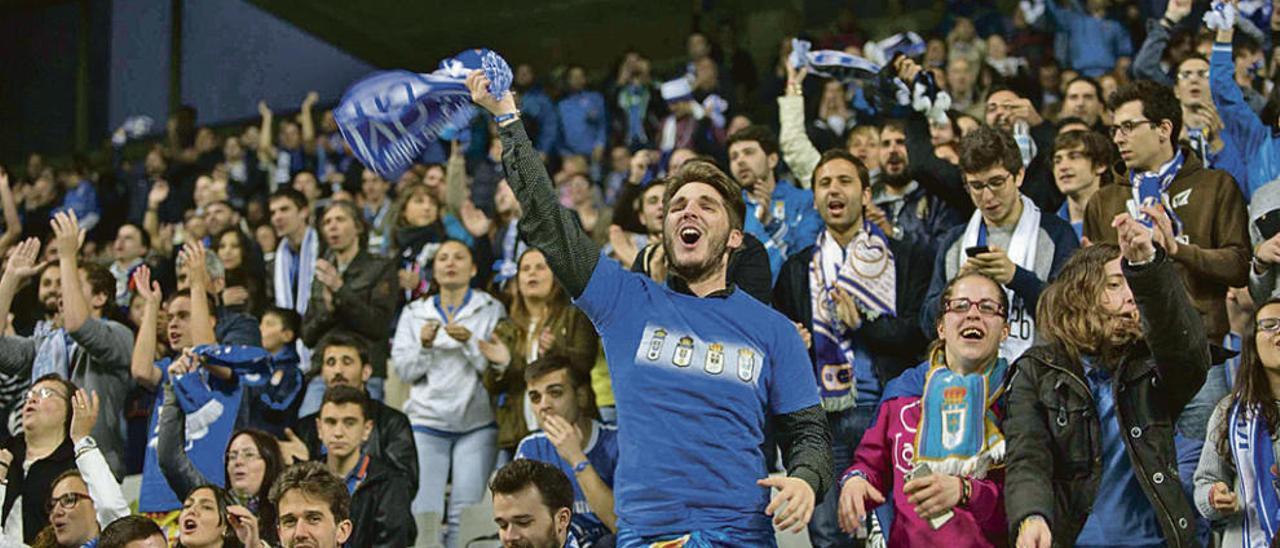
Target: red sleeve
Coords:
[[986, 502]]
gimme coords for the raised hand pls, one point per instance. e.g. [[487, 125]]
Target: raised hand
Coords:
[[311, 99], [84, 414], [478, 84], [1136, 245], [193, 256], [494, 350], [66, 234], [292, 449], [474, 220], [798, 497], [567, 438], [263, 109], [146, 288], [22, 262], [1176, 10], [158, 194]]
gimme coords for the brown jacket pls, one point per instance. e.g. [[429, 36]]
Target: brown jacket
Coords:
[[1213, 252], [576, 340]]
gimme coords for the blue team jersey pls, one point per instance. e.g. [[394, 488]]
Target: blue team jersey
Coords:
[[602, 452], [694, 380]]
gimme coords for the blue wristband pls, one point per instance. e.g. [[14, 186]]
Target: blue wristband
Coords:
[[501, 118], [578, 468]]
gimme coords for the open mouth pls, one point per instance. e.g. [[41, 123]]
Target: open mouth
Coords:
[[972, 333], [690, 235], [189, 526], [835, 207]]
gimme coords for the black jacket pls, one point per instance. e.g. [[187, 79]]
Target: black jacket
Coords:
[[895, 342], [380, 509], [1053, 431], [364, 307], [391, 440], [35, 484]]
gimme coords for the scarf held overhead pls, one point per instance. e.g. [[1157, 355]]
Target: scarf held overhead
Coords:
[[390, 117], [865, 270]]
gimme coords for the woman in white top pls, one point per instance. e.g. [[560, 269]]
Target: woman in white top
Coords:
[[443, 344]]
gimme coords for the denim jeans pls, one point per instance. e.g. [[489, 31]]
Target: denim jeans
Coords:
[[847, 428], [469, 456], [314, 394]]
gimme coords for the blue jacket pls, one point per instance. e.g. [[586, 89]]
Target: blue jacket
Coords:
[[795, 224], [537, 109], [582, 122], [1092, 44], [1258, 146]]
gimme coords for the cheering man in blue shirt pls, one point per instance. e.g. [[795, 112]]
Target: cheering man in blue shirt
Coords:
[[697, 367]]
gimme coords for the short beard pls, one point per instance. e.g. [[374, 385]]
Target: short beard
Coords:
[[895, 180], [694, 273]]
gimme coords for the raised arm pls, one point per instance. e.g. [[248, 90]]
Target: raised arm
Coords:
[[797, 150], [108, 498], [20, 266], [67, 234], [265, 150], [455, 178], [306, 121], [12, 222], [193, 259], [142, 365], [545, 225]]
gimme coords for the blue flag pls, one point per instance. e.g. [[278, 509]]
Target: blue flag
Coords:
[[389, 117]]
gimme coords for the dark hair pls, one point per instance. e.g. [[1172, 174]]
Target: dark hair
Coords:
[[315, 481], [130, 528], [71, 391], [1158, 103], [987, 147], [145, 237], [286, 192], [1068, 120], [552, 485], [895, 125], [997, 88], [269, 450], [831, 155], [948, 292], [289, 319], [1242, 44], [1097, 88], [101, 282], [549, 364], [1252, 386], [698, 171], [223, 499], [213, 304], [343, 394], [395, 220], [346, 340], [1096, 148], [758, 133], [1191, 57]]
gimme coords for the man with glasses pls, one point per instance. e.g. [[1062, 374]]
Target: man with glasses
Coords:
[[1197, 214], [1008, 238], [31, 461]]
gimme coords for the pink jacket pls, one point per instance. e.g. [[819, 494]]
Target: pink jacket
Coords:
[[885, 454]]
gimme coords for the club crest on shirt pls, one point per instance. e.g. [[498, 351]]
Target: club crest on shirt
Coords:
[[688, 350]]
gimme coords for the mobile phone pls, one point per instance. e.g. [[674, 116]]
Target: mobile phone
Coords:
[[923, 470], [976, 250], [1269, 224]]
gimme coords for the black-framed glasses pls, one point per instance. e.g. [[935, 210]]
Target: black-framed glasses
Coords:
[[986, 307], [42, 393], [994, 183], [67, 501], [1270, 326], [1126, 127]]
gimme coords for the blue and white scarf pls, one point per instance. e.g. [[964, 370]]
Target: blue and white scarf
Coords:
[[1254, 456], [54, 351], [296, 298], [390, 117], [959, 432], [1151, 188], [864, 269], [830, 63], [1022, 251]]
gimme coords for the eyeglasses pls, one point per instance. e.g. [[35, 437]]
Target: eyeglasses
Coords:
[[43, 393], [67, 501], [995, 184], [986, 307], [1270, 326], [247, 456], [1202, 74], [1126, 127]]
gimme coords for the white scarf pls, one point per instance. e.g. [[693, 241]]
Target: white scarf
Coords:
[[285, 296], [1022, 251]]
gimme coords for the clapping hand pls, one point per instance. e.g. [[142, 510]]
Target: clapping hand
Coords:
[[22, 262], [328, 275], [147, 289], [67, 234], [495, 350], [84, 414], [292, 449]]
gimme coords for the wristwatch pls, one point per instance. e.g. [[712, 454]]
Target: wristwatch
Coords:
[[85, 445]]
